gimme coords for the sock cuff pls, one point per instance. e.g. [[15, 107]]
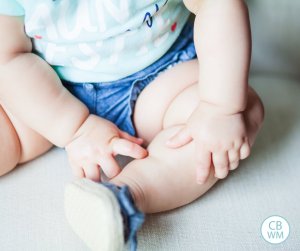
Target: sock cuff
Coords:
[[133, 218]]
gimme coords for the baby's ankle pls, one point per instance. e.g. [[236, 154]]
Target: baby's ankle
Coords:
[[135, 190], [133, 218]]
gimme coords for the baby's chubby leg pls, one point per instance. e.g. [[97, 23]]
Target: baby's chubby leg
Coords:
[[166, 179], [9, 144], [18, 143]]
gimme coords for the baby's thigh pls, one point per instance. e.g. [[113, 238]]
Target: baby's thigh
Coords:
[[156, 98], [9, 144], [31, 143]]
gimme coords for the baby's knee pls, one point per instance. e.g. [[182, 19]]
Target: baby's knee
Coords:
[[10, 153], [170, 156], [10, 150]]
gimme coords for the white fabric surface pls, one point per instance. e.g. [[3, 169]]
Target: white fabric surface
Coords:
[[229, 217], [276, 36]]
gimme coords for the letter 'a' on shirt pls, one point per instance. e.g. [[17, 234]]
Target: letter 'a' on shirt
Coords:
[[99, 40]]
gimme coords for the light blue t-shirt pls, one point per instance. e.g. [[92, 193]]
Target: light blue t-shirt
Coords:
[[99, 40]]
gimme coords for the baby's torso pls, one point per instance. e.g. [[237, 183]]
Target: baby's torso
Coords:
[[102, 40]]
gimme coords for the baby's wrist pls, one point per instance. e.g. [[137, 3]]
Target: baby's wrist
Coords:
[[80, 129], [221, 109], [69, 126], [85, 125]]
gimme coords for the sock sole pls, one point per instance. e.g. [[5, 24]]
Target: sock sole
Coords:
[[93, 212]]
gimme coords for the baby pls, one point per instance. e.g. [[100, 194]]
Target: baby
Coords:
[[134, 78]]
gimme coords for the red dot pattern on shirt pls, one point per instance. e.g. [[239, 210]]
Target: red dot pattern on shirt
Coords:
[[174, 26]]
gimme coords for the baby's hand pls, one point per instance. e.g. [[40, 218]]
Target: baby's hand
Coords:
[[220, 140], [95, 145]]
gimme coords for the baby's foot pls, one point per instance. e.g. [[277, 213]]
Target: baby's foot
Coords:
[[102, 215]]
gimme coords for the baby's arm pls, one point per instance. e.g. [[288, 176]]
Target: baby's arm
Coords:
[[31, 90], [223, 45]]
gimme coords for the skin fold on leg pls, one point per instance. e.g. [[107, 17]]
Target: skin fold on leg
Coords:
[[10, 150], [18, 143], [32, 144], [166, 179]]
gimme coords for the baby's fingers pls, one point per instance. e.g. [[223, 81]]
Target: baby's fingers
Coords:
[[128, 148], [92, 172], [245, 150], [180, 139], [234, 158], [221, 164], [78, 172], [109, 166], [76, 169], [203, 164], [133, 139]]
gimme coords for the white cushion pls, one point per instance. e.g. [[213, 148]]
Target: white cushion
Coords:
[[227, 218]]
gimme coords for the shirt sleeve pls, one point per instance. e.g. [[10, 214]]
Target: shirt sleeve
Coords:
[[11, 8]]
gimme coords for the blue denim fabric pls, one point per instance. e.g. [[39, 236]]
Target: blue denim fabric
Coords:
[[132, 217], [115, 100]]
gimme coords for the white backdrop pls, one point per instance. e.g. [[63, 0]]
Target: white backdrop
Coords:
[[276, 36]]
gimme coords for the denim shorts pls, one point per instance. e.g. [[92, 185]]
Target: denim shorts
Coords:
[[115, 100]]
